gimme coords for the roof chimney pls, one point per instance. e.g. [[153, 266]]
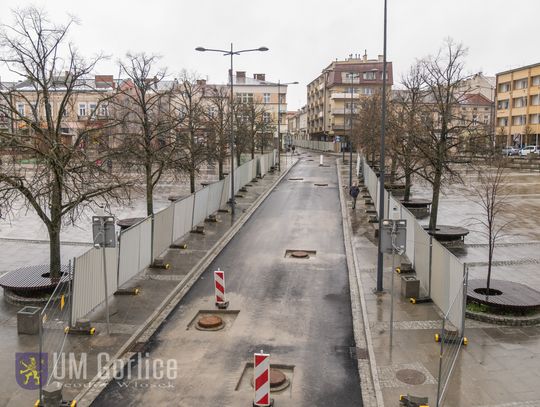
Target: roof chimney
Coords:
[[381, 58], [365, 55], [259, 76], [201, 82], [240, 76]]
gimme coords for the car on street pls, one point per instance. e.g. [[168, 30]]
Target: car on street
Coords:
[[509, 150], [528, 150]]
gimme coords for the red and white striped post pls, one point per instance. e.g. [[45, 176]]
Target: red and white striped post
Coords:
[[219, 285], [261, 373]]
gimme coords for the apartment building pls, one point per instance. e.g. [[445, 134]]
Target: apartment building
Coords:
[[518, 106], [333, 97], [298, 124], [84, 108]]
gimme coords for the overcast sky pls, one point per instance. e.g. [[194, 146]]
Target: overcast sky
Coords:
[[303, 36]]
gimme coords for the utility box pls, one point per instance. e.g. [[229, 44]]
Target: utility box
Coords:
[[103, 231], [410, 287], [28, 320], [393, 231]]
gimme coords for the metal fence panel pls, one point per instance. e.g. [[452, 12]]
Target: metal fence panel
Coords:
[[183, 215], [411, 222], [201, 204], [88, 283], [163, 230], [422, 241], [214, 199], [129, 248], [226, 193], [145, 245]]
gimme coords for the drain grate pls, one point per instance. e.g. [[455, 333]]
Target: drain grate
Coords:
[[320, 184], [296, 179]]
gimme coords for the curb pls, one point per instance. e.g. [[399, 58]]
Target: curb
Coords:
[[371, 391], [156, 319]]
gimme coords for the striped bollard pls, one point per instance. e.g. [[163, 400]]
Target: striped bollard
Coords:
[[261, 373], [219, 285]]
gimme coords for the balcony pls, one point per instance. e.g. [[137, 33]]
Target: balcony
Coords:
[[345, 111], [345, 96], [321, 114]]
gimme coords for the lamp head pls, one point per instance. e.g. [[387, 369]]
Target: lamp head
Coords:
[[201, 49], [262, 49]]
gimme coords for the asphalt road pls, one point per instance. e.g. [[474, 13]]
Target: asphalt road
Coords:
[[298, 310]]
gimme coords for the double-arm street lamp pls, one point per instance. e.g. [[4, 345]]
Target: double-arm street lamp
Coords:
[[279, 84], [231, 53]]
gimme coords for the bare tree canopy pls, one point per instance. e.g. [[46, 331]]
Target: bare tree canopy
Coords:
[[64, 175]]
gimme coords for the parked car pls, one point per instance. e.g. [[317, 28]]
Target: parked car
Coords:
[[528, 150], [509, 150]]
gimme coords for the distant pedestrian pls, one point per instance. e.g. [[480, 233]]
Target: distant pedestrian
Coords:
[[109, 165], [293, 148], [354, 191]]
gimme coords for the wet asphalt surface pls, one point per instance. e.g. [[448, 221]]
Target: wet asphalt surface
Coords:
[[298, 310]]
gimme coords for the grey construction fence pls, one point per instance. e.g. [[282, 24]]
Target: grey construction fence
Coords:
[[139, 245], [443, 278], [317, 145]]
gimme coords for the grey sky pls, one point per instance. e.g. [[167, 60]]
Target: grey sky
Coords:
[[303, 36]]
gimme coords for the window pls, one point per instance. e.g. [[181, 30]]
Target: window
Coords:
[[368, 91], [244, 97], [65, 113], [502, 121], [64, 130], [20, 109], [534, 118], [502, 104], [504, 87], [520, 84], [92, 107], [486, 119], [519, 120], [535, 100], [212, 111], [536, 80], [267, 117], [282, 98], [103, 110], [520, 102], [266, 98], [82, 109], [369, 75]]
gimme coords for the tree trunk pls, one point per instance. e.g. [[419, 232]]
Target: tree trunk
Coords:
[[220, 168], [407, 195], [435, 200], [192, 180], [490, 260], [54, 247], [149, 191]]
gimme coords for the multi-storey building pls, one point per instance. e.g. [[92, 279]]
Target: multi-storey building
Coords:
[[518, 105], [298, 124], [333, 97]]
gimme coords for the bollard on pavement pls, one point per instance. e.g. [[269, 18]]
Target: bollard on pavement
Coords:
[[321, 160], [261, 380], [219, 286], [52, 394]]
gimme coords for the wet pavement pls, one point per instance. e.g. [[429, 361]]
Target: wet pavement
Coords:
[[499, 366], [298, 310], [128, 313]]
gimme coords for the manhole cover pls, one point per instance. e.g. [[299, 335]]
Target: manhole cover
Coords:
[[278, 380], [300, 254], [210, 322], [410, 376]]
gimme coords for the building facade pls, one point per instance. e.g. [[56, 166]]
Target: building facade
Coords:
[[518, 106], [333, 97], [298, 124]]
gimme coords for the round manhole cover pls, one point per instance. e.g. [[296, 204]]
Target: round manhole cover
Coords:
[[278, 380], [300, 254], [210, 322], [410, 376]]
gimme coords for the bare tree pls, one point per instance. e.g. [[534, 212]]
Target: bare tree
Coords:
[[143, 106], [366, 129], [443, 86], [63, 178], [218, 118], [191, 130], [490, 192]]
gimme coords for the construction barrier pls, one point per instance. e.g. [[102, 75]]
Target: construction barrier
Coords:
[[134, 250], [88, 281], [219, 286], [317, 145], [261, 373], [163, 231]]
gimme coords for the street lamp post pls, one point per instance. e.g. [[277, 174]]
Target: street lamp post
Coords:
[[351, 132], [231, 53], [380, 255], [279, 118]]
